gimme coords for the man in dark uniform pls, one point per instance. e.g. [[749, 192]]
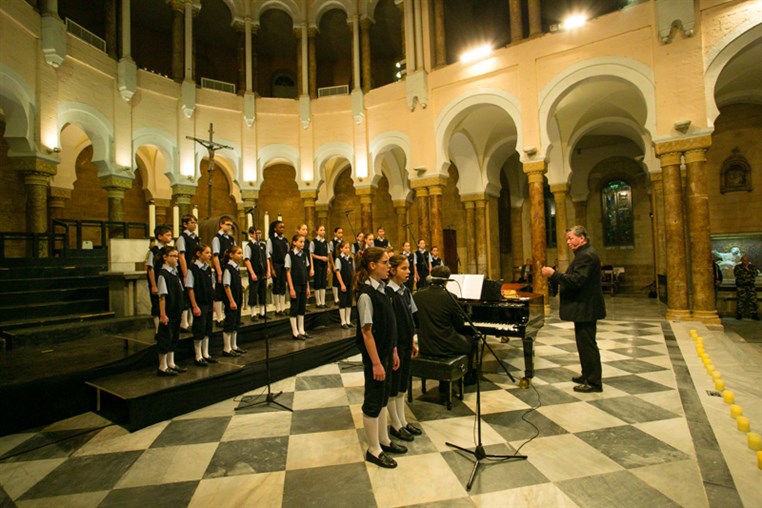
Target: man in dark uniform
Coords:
[[582, 302], [439, 319], [746, 292]]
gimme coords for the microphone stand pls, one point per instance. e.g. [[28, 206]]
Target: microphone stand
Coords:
[[478, 452], [345, 364], [270, 397]]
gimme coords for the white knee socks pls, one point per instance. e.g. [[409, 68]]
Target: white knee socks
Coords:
[[294, 328], [226, 342], [394, 420], [401, 409], [300, 324], [371, 434], [197, 349], [383, 432]]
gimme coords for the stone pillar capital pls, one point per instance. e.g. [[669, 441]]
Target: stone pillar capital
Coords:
[[308, 195], [400, 203], [535, 170], [184, 190], [365, 191], [59, 193], [469, 205], [177, 5], [559, 187], [322, 209], [34, 167], [116, 183], [365, 23], [682, 144], [366, 199], [312, 32], [655, 177], [298, 33], [250, 194], [695, 155]]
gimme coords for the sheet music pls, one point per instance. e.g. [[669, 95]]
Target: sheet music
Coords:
[[468, 286]]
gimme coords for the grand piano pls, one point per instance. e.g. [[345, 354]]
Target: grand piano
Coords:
[[521, 315]]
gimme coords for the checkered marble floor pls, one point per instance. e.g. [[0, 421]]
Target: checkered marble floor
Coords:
[[627, 446]]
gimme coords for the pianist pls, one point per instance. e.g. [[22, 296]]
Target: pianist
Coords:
[[439, 318]]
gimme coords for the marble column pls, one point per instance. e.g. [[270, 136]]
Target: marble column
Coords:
[[310, 215], [439, 33], [400, 211], [580, 213], [704, 306], [110, 21], [657, 209], [322, 211], [560, 191], [178, 36], [298, 37], [366, 214], [480, 223], [57, 198], [367, 76], [535, 172], [517, 32], [182, 195], [535, 17], [254, 61], [37, 173], [401, 6], [163, 209], [242, 61], [674, 229], [422, 200], [436, 214], [471, 264], [312, 64], [115, 188], [517, 237]]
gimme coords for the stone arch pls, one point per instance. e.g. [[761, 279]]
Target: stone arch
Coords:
[[166, 144], [290, 7], [20, 113], [391, 151], [458, 109], [720, 55], [98, 129], [624, 69], [320, 7], [326, 152]]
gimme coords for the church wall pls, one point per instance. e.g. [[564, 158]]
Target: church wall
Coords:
[[454, 217], [345, 199], [19, 29], [280, 195], [135, 205], [222, 201], [12, 191], [332, 121], [738, 126], [89, 200]]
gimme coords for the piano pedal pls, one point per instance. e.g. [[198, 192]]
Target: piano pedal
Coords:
[[524, 382]]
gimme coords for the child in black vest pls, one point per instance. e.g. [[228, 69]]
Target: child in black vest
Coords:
[[200, 288], [410, 282], [186, 247], [344, 270], [319, 260], [277, 250], [297, 266], [170, 292], [422, 265], [255, 259], [221, 242], [376, 336], [335, 249], [404, 310], [435, 259], [231, 281], [163, 235]]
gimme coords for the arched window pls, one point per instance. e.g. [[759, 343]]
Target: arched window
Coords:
[[284, 86], [616, 206], [550, 219]]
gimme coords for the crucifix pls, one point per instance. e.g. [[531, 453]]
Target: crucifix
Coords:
[[211, 147]]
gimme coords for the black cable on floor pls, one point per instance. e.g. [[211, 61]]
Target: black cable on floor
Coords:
[[85, 431]]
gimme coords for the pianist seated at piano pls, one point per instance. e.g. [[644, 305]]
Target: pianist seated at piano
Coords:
[[439, 319]]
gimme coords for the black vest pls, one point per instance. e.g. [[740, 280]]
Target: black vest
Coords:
[[405, 324], [235, 284], [280, 249], [381, 243], [225, 243], [435, 261], [384, 323], [347, 271], [174, 299], [191, 242], [299, 270], [336, 248], [321, 249], [423, 263], [258, 257], [202, 284], [154, 252]]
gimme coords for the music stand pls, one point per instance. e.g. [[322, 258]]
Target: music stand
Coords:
[[270, 397], [478, 452]]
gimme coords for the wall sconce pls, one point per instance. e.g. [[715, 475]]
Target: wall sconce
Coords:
[[55, 149], [530, 150], [682, 126]]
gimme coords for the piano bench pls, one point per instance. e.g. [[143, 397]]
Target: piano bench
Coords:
[[441, 369]]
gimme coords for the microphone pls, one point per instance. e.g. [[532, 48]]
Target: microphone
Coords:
[[407, 225], [348, 211], [431, 279]]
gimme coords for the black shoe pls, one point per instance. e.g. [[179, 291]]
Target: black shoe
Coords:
[[298, 337], [209, 359], [305, 335], [382, 460], [580, 380], [586, 388], [219, 324], [185, 330], [255, 318], [230, 353], [179, 369], [345, 326], [755, 317], [239, 350], [165, 373], [739, 317], [413, 429], [394, 448], [402, 434], [201, 363]]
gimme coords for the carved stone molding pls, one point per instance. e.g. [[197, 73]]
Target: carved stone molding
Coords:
[[735, 174]]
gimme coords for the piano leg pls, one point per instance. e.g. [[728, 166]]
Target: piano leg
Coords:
[[528, 346]]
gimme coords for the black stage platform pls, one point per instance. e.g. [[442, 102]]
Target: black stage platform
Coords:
[[110, 367]]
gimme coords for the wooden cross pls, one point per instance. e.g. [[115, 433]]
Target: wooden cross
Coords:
[[211, 147]]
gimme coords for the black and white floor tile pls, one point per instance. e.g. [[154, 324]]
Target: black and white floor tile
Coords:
[[627, 446]]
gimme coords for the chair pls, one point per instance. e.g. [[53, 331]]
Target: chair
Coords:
[[440, 368]]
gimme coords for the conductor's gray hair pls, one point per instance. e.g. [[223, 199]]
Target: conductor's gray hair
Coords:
[[579, 231]]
